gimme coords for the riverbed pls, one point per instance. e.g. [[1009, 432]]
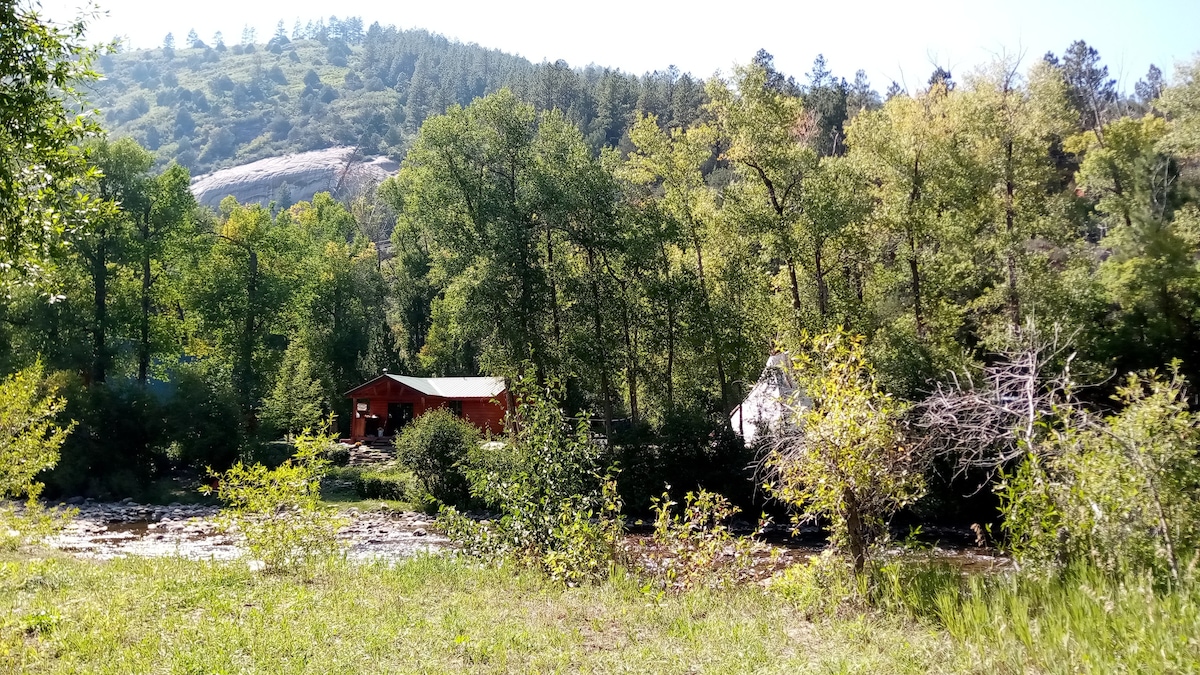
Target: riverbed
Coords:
[[108, 530]]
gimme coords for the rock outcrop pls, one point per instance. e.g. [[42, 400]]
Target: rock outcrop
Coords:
[[294, 178]]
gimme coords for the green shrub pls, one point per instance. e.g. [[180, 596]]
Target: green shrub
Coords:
[[845, 459], [820, 586], [29, 444], [436, 447], [380, 484], [695, 547], [558, 513], [1119, 493], [338, 455], [278, 511]]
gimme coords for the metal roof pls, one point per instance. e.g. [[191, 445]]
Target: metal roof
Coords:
[[453, 387]]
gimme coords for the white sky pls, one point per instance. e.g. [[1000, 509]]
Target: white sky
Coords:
[[890, 39]]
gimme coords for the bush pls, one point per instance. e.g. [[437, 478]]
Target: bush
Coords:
[[695, 547], [118, 442], [394, 485], [844, 459], [199, 416], [338, 455], [279, 511], [558, 513], [29, 444], [1119, 493], [820, 586], [436, 447]]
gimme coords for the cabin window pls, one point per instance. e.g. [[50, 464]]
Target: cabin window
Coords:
[[456, 408], [363, 406]]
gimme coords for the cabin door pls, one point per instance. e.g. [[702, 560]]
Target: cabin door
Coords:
[[399, 415]]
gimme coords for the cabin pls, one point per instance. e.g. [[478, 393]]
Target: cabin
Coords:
[[382, 406]]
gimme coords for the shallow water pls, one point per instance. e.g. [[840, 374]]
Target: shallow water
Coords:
[[104, 531]]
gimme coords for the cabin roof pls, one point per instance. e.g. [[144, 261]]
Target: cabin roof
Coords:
[[445, 387]]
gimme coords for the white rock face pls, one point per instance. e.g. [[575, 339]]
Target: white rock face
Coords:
[[305, 173]]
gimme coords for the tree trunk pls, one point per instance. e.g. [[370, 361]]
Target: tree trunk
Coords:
[[100, 307], [602, 362], [247, 346], [822, 287], [147, 280], [915, 273], [856, 540], [1010, 216], [708, 318], [913, 264], [670, 332], [671, 351], [553, 288], [791, 265], [630, 365]]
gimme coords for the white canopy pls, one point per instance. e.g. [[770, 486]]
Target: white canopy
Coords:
[[767, 405]]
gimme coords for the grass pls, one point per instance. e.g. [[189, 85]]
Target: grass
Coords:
[[442, 614], [430, 614], [1080, 621], [450, 614]]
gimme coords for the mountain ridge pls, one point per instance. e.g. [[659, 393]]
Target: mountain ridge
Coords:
[[214, 107]]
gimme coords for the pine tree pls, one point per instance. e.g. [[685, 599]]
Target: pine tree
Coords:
[[296, 403]]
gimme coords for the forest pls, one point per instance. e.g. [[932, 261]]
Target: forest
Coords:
[[986, 290], [207, 105], [648, 241]]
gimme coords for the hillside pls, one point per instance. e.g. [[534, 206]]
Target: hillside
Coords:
[[212, 106]]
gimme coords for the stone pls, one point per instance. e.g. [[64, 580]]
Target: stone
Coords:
[[305, 173]]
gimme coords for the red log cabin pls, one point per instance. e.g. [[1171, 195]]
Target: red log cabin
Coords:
[[389, 402]]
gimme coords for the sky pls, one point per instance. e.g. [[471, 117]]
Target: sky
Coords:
[[890, 40]]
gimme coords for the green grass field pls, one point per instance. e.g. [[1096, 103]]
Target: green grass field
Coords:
[[439, 614], [435, 614]]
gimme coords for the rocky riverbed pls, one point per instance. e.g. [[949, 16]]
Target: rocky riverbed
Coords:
[[105, 530]]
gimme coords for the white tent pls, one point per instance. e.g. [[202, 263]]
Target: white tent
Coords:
[[767, 405]]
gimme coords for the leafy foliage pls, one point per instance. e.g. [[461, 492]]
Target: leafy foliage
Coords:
[[557, 512], [279, 511], [42, 164], [437, 447], [30, 437], [845, 460], [1119, 493], [297, 402], [695, 547]]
